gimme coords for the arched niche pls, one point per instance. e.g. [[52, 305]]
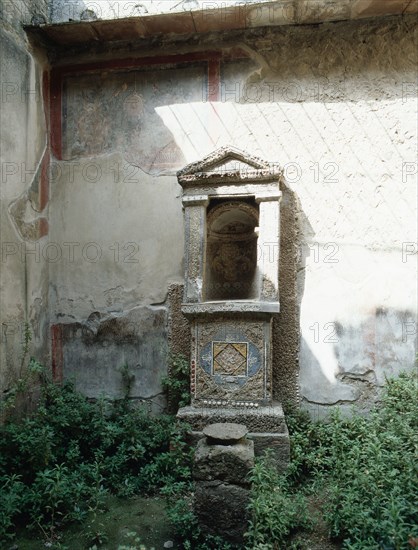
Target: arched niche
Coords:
[[232, 218], [231, 250]]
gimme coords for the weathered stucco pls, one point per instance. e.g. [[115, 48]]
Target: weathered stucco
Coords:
[[334, 105], [204, 15], [23, 227]]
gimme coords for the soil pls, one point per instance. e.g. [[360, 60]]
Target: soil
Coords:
[[147, 518], [318, 538], [144, 516]]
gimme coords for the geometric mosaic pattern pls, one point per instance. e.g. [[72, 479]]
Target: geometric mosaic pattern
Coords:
[[230, 358]]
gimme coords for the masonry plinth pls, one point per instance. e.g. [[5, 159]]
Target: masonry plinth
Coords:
[[222, 463], [232, 220], [267, 426]]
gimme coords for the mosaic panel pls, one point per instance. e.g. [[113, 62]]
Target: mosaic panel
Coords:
[[230, 358]]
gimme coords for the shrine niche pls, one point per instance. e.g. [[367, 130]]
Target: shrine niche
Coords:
[[231, 251], [231, 206]]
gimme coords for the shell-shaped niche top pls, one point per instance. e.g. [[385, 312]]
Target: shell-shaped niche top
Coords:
[[228, 165], [232, 219]]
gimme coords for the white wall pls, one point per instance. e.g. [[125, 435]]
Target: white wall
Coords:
[[336, 107]]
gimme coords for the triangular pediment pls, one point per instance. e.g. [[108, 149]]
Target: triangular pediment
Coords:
[[226, 163], [222, 158]]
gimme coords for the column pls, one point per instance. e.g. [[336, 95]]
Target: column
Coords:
[[195, 237], [269, 245]]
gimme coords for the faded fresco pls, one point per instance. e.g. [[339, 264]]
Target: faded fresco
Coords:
[[118, 112]]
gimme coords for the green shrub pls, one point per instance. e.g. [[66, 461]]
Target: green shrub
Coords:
[[372, 496], [177, 383], [365, 467], [275, 509], [60, 463], [12, 500]]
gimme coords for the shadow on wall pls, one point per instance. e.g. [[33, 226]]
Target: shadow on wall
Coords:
[[351, 364], [158, 121], [340, 362], [294, 226]]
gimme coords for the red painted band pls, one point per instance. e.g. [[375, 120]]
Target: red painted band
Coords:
[[57, 353]]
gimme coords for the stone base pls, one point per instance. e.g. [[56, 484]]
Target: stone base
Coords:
[[221, 509], [267, 427], [230, 464]]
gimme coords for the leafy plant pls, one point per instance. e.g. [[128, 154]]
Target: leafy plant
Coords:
[[59, 463], [18, 401], [128, 380], [374, 483], [365, 467], [177, 383], [12, 491], [275, 510]]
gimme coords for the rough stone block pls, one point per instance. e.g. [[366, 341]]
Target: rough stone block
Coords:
[[222, 509], [269, 419], [229, 463], [279, 444], [225, 433]]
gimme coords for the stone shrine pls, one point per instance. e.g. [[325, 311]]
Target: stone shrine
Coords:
[[232, 221]]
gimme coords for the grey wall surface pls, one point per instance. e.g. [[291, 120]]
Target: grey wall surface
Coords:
[[24, 271], [334, 105]]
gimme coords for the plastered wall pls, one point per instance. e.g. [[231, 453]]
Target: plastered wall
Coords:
[[24, 195], [335, 106]]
